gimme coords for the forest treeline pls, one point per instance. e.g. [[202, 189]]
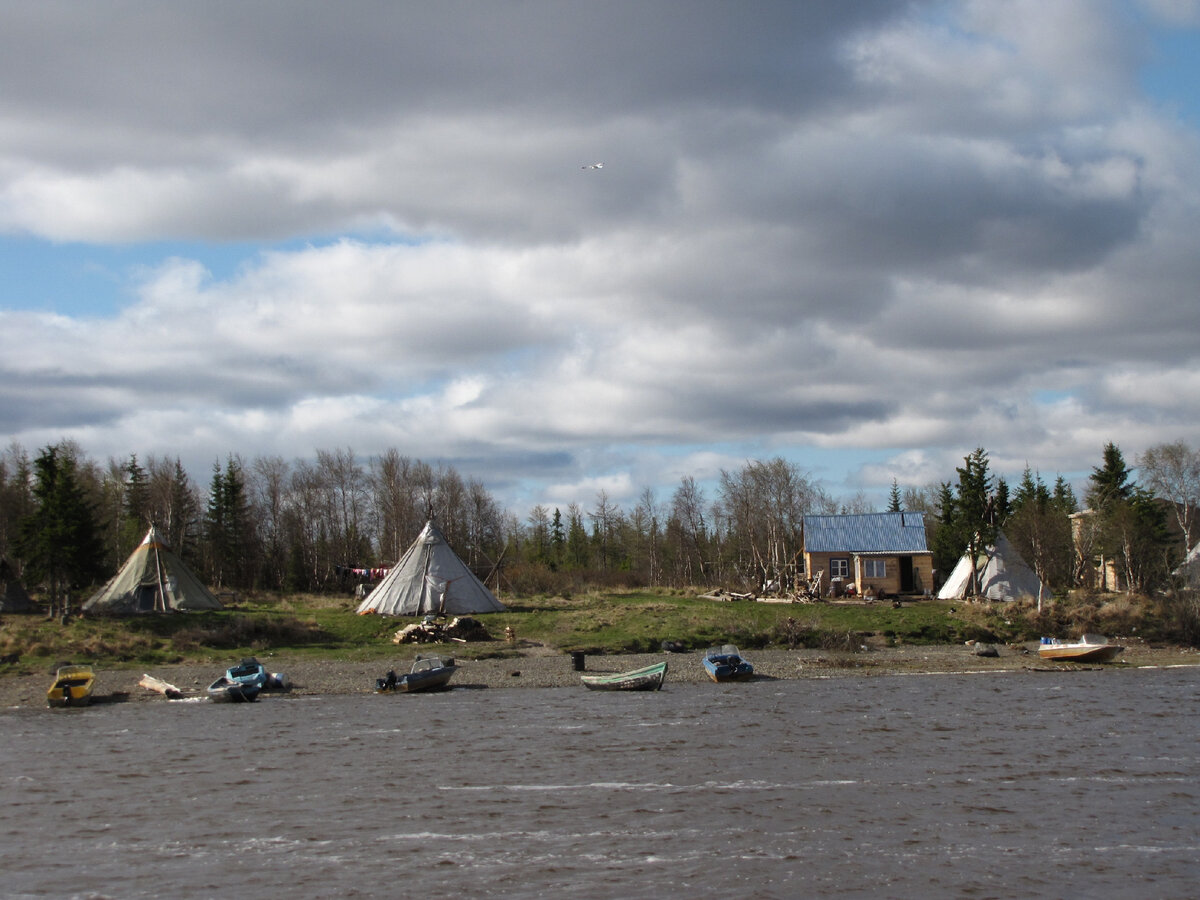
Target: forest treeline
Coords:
[[67, 522]]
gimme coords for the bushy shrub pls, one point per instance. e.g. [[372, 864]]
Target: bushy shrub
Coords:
[[246, 631], [1179, 617]]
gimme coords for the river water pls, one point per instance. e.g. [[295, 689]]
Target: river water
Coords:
[[1026, 785]]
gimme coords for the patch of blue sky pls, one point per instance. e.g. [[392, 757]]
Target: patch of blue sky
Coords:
[[1052, 398], [1172, 77], [78, 279], [83, 279]]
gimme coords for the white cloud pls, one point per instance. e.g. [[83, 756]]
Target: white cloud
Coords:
[[892, 230]]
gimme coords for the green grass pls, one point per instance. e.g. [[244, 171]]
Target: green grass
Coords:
[[595, 622]]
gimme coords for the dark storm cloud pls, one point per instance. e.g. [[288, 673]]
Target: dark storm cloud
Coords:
[[870, 225], [257, 68]]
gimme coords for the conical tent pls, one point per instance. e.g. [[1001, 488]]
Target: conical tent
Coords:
[[153, 579], [13, 597], [430, 578], [1003, 575], [1189, 569]]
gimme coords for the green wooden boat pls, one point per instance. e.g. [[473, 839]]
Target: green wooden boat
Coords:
[[650, 678]]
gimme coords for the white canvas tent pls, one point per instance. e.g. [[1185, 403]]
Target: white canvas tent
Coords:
[[1003, 575], [1189, 569], [430, 578], [153, 579]]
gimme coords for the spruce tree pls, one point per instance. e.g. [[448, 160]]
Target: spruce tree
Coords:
[[1110, 482], [558, 540], [60, 540], [1064, 496], [135, 507], [226, 526], [1132, 530], [972, 524], [945, 544]]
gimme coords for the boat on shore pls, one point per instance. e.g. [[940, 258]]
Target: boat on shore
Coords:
[[1089, 648], [251, 671], [225, 690], [428, 673], [72, 686], [649, 678], [248, 671], [726, 663]]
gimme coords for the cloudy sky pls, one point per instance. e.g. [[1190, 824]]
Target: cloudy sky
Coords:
[[867, 237]]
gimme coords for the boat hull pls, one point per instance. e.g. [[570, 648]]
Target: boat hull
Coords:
[[650, 678], [1080, 652], [429, 674], [225, 691], [438, 680], [726, 664], [72, 687], [723, 674]]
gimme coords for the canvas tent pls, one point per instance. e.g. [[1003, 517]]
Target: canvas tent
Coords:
[[1189, 569], [14, 597], [1003, 575], [430, 578], [153, 579]]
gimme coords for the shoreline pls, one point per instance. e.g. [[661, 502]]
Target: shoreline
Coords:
[[541, 667]]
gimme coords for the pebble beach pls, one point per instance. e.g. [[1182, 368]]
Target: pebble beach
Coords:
[[542, 667]]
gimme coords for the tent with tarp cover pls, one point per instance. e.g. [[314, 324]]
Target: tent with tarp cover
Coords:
[[430, 579], [153, 579], [1003, 575]]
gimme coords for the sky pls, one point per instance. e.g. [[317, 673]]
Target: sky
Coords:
[[864, 237]]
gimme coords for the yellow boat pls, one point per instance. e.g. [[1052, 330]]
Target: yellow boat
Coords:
[[72, 686]]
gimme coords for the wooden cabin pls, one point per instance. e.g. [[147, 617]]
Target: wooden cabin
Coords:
[[876, 553]]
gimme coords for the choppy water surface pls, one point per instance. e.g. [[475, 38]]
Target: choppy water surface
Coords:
[[1010, 785]]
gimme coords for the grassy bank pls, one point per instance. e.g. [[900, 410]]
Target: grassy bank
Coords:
[[597, 622]]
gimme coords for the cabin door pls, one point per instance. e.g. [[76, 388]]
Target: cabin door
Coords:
[[906, 575]]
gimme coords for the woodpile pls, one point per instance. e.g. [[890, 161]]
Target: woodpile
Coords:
[[433, 630], [723, 594]]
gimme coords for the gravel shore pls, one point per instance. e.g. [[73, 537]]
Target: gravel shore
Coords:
[[540, 667]]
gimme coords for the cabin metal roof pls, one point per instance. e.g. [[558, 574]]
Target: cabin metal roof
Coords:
[[899, 532]]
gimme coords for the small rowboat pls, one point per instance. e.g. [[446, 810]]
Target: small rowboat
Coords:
[[223, 690], [650, 678], [1090, 648], [72, 686], [428, 673], [726, 664]]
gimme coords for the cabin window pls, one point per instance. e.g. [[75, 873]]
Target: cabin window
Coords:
[[874, 568], [839, 567]]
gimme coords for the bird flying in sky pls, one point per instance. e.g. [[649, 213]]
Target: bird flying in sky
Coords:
[[593, 166]]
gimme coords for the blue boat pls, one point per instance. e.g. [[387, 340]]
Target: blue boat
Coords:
[[248, 672], [725, 663]]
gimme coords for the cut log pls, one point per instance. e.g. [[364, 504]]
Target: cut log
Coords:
[[150, 683]]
